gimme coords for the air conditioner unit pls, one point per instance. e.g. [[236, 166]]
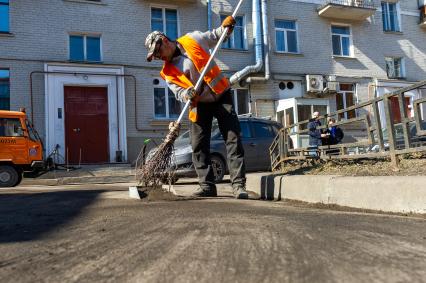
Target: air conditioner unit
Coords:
[[314, 83], [332, 86]]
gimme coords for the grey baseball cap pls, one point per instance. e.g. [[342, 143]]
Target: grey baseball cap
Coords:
[[151, 42]]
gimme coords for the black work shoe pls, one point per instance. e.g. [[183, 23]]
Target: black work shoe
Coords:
[[240, 192], [205, 192]]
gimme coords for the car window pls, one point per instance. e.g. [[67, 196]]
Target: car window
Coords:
[[11, 127], [262, 130], [184, 136], [245, 129], [216, 134]]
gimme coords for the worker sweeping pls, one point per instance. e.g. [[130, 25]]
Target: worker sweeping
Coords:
[[184, 61]]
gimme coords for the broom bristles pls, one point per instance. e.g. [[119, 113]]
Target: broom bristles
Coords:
[[158, 167]]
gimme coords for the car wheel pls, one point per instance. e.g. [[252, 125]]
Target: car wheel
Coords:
[[219, 168], [9, 177]]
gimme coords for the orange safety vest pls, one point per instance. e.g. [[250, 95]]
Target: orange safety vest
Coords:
[[214, 78]]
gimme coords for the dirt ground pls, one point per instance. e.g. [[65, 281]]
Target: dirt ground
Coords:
[[410, 165], [95, 233]]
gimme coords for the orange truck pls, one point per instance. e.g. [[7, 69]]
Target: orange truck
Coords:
[[21, 149]]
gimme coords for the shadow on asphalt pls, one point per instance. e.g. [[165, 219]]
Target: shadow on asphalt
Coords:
[[195, 182], [26, 217]]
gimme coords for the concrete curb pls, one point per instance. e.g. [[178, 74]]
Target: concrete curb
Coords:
[[402, 194]]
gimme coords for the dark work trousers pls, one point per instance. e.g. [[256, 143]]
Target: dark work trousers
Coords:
[[229, 125]]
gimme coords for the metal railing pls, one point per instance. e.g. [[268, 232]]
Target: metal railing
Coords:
[[381, 140], [368, 4]]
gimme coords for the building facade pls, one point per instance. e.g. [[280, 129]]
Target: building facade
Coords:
[[79, 67]]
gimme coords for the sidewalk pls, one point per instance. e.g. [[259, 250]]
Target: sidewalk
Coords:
[[402, 194], [87, 174]]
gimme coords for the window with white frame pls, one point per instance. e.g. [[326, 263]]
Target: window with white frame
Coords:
[[165, 20], [286, 36], [237, 38], [241, 101], [85, 48], [346, 98], [395, 67], [166, 106], [341, 40], [4, 89], [391, 16], [4, 16]]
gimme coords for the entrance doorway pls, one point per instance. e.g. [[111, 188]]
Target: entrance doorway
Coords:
[[86, 124]]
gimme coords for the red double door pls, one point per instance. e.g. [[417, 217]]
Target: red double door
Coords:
[[86, 124]]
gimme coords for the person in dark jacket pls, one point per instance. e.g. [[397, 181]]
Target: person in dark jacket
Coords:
[[315, 134], [333, 132]]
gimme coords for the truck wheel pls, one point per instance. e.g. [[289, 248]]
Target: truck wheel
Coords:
[[9, 177], [20, 176]]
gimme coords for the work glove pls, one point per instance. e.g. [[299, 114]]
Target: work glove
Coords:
[[174, 129], [229, 21], [190, 93]]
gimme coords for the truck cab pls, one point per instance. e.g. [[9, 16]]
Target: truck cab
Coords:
[[20, 147]]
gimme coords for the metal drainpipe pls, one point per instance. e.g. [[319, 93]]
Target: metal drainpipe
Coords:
[[209, 14], [265, 46], [257, 46]]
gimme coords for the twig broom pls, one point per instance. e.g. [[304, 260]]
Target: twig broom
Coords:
[[158, 167]]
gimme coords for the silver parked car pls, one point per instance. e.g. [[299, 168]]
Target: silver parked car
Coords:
[[257, 135]]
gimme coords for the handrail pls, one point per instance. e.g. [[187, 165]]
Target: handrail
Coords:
[[279, 152]]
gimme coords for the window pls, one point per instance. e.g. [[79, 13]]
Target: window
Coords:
[[10, 127], [346, 98], [395, 67], [165, 104], [241, 101], [262, 130], [237, 38], [4, 16], [85, 48], [341, 40], [286, 36], [165, 20], [4, 90], [390, 16], [245, 130]]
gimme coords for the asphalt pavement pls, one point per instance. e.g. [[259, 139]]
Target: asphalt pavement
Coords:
[[95, 233]]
